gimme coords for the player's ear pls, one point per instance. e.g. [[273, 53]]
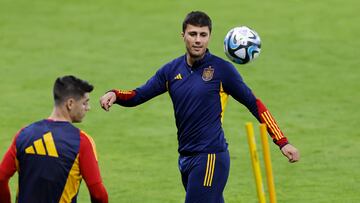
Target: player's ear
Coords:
[[182, 34], [70, 104]]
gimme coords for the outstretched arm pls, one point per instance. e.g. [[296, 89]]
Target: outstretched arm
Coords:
[[264, 116], [234, 85], [155, 86]]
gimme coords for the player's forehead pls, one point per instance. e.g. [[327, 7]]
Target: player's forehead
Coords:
[[197, 29]]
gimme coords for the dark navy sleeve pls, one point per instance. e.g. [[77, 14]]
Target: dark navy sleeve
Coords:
[[234, 85], [155, 86]]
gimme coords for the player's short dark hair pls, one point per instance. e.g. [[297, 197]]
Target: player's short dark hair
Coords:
[[70, 86], [197, 18]]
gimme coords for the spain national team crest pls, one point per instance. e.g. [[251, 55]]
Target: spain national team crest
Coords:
[[208, 73]]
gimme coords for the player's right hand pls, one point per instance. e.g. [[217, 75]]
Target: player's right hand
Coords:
[[107, 100]]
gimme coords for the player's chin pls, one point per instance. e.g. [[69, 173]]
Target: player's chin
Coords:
[[197, 53], [78, 119]]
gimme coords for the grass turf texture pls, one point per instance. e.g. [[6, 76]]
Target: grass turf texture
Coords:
[[306, 75]]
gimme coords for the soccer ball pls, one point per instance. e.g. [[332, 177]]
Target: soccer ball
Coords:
[[242, 45]]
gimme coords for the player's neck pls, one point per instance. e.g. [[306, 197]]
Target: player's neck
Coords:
[[58, 114], [191, 60]]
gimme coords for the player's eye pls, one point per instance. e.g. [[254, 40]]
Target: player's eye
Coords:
[[192, 33]]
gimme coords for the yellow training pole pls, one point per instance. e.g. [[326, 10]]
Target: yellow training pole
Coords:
[[268, 167], [255, 162]]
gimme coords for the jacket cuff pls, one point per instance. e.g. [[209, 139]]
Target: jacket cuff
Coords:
[[282, 142]]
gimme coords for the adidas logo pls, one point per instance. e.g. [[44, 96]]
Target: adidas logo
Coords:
[[40, 149], [178, 77]]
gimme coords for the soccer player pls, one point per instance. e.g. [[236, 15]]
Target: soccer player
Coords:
[[199, 84], [52, 156]]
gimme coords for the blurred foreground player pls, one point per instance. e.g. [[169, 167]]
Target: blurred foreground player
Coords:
[[51, 155]]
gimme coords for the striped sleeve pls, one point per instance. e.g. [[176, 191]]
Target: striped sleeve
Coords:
[[155, 86], [265, 116], [126, 97]]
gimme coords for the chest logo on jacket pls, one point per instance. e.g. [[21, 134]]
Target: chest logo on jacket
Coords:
[[208, 74], [178, 77]]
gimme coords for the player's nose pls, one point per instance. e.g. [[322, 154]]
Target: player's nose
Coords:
[[198, 38]]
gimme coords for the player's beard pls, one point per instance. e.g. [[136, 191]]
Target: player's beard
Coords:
[[196, 54]]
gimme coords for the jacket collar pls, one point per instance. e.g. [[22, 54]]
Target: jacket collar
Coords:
[[199, 62]]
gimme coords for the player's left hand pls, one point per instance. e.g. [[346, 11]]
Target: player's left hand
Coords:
[[291, 153]]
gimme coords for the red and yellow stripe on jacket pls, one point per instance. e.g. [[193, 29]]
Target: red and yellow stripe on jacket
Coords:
[[265, 116]]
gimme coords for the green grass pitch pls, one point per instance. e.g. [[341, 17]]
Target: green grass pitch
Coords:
[[307, 75]]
